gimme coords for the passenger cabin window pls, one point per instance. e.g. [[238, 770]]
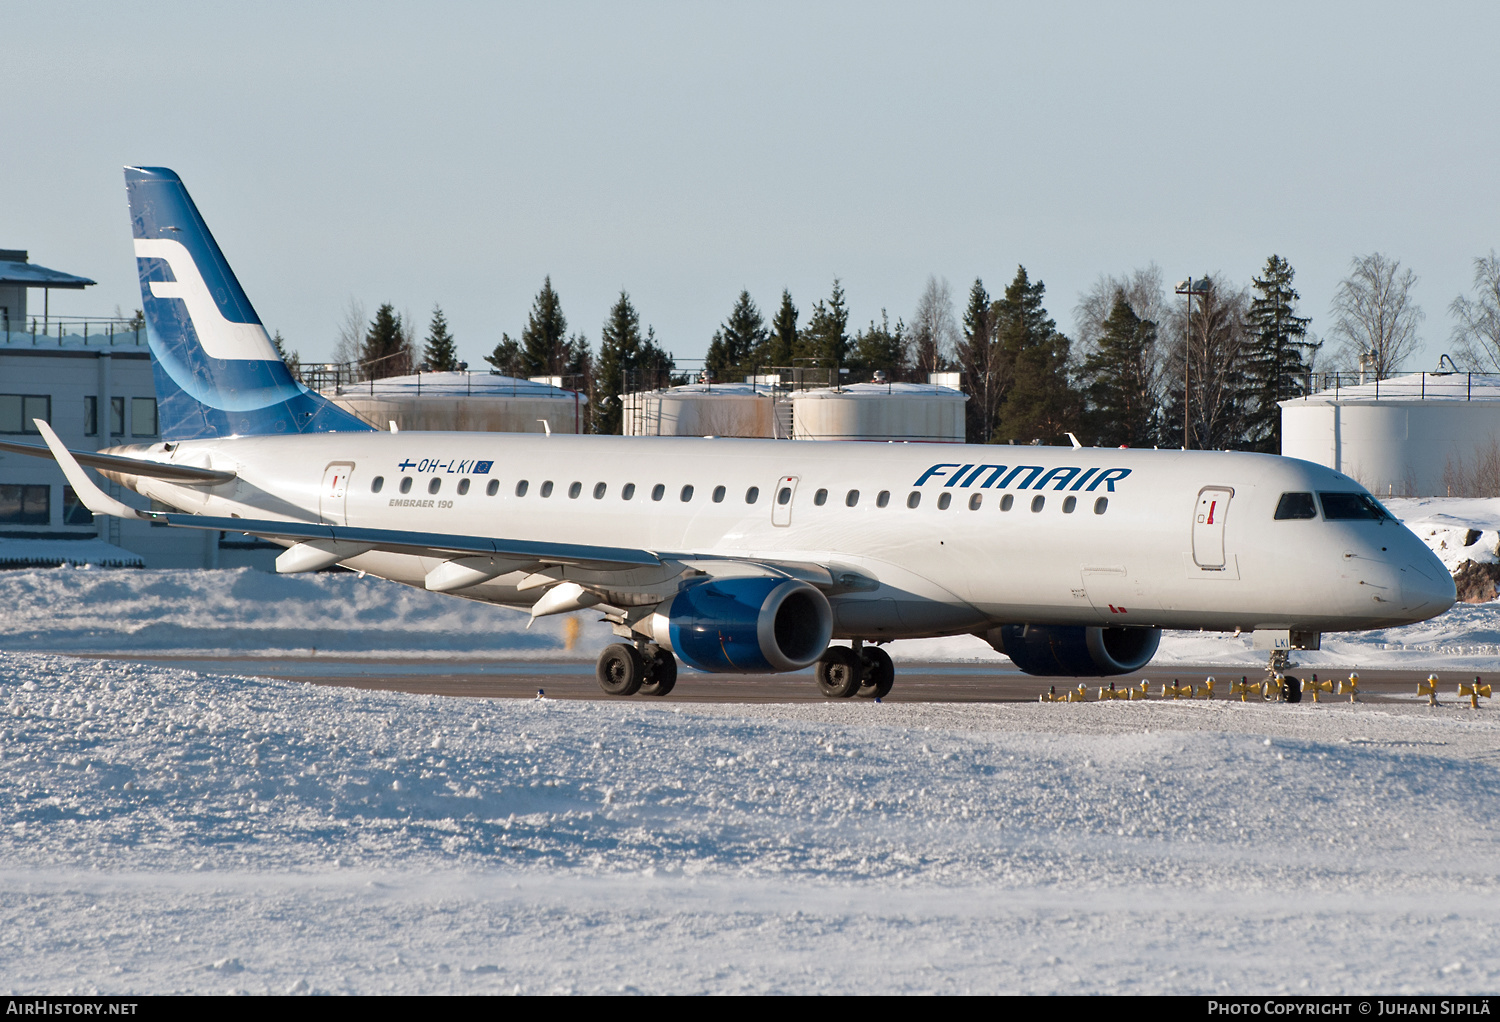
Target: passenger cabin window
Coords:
[[914, 499], [405, 484], [599, 490], [658, 491], [1069, 504], [1101, 505], [975, 500], [1345, 507], [1292, 506], [520, 488], [883, 498], [944, 499], [851, 498], [687, 493], [1007, 502], [546, 490], [574, 490], [719, 492], [434, 484], [463, 487], [628, 491], [1037, 503], [377, 484], [820, 498], [785, 496], [494, 488], [752, 495]]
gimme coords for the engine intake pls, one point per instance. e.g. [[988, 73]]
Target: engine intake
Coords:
[[1075, 650], [746, 625]]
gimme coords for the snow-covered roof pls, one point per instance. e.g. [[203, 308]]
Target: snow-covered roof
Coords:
[[714, 390], [1416, 387], [455, 384], [903, 390], [51, 553]]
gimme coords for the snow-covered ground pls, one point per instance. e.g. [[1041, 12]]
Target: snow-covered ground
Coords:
[[165, 830], [162, 830]]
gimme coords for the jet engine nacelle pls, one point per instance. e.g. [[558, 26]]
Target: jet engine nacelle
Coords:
[[1075, 650], [745, 625]]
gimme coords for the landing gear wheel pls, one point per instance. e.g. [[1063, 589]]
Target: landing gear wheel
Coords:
[[837, 671], [1291, 690], [661, 673], [877, 673], [620, 670]]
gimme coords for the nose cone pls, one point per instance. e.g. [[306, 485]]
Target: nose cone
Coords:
[[1426, 587]]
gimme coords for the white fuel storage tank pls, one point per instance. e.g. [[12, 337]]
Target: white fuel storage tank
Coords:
[[464, 401], [703, 409], [880, 411], [1423, 435]]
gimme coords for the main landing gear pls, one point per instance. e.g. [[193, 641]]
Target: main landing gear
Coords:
[[844, 671], [625, 670]]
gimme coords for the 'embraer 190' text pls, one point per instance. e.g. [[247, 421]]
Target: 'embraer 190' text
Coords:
[[1035, 477]]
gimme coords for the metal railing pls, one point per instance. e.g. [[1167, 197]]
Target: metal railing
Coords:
[[1446, 386], [85, 331]]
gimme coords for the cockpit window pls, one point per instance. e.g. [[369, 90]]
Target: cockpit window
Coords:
[[1343, 507], [1295, 505]]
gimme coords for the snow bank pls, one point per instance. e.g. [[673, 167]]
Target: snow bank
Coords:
[[163, 830]]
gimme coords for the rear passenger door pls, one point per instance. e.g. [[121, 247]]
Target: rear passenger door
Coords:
[[781, 500]]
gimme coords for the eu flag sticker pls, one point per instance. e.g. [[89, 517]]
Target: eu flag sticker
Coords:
[[482, 468]]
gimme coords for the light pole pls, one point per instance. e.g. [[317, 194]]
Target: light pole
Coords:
[[1188, 287]]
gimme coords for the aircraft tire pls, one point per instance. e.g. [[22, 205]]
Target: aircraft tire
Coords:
[[837, 671], [661, 674], [877, 673], [1292, 693], [620, 670]]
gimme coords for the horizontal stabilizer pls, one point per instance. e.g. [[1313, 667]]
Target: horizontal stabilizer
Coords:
[[130, 466]]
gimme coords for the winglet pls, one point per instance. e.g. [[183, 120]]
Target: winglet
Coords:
[[95, 499], [1075, 440]]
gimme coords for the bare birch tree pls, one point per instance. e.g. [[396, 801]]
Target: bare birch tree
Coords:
[[934, 328], [1374, 313], [1476, 337], [1144, 291], [351, 332]]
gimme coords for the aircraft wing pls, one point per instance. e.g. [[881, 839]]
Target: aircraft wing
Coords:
[[354, 540], [135, 466]]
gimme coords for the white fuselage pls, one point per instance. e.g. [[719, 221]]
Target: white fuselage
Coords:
[[1179, 540]]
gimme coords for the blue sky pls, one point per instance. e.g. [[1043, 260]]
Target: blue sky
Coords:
[[457, 153]]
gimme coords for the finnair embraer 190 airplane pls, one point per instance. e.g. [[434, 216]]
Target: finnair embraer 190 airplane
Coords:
[[744, 556]]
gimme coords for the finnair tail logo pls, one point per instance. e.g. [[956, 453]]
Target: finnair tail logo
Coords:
[[219, 337]]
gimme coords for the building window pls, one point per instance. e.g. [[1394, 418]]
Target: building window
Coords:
[[377, 484], [25, 505], [143, 416], [463, 487], [18, 410], [117, 416], [74, 512], [90, 416]]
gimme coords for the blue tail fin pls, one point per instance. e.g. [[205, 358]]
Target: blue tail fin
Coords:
[[217, 373]]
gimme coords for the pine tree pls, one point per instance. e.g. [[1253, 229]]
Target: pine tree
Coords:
[[978, 356], [385, 351], [545, 347], [506, 358], [291, 358], [1276, 355], [619, 350], [879, 347], [825, 337], [1213, 345], [1120, 382], [780, 345], [736, 343], [1041, 403], [439, 353]]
